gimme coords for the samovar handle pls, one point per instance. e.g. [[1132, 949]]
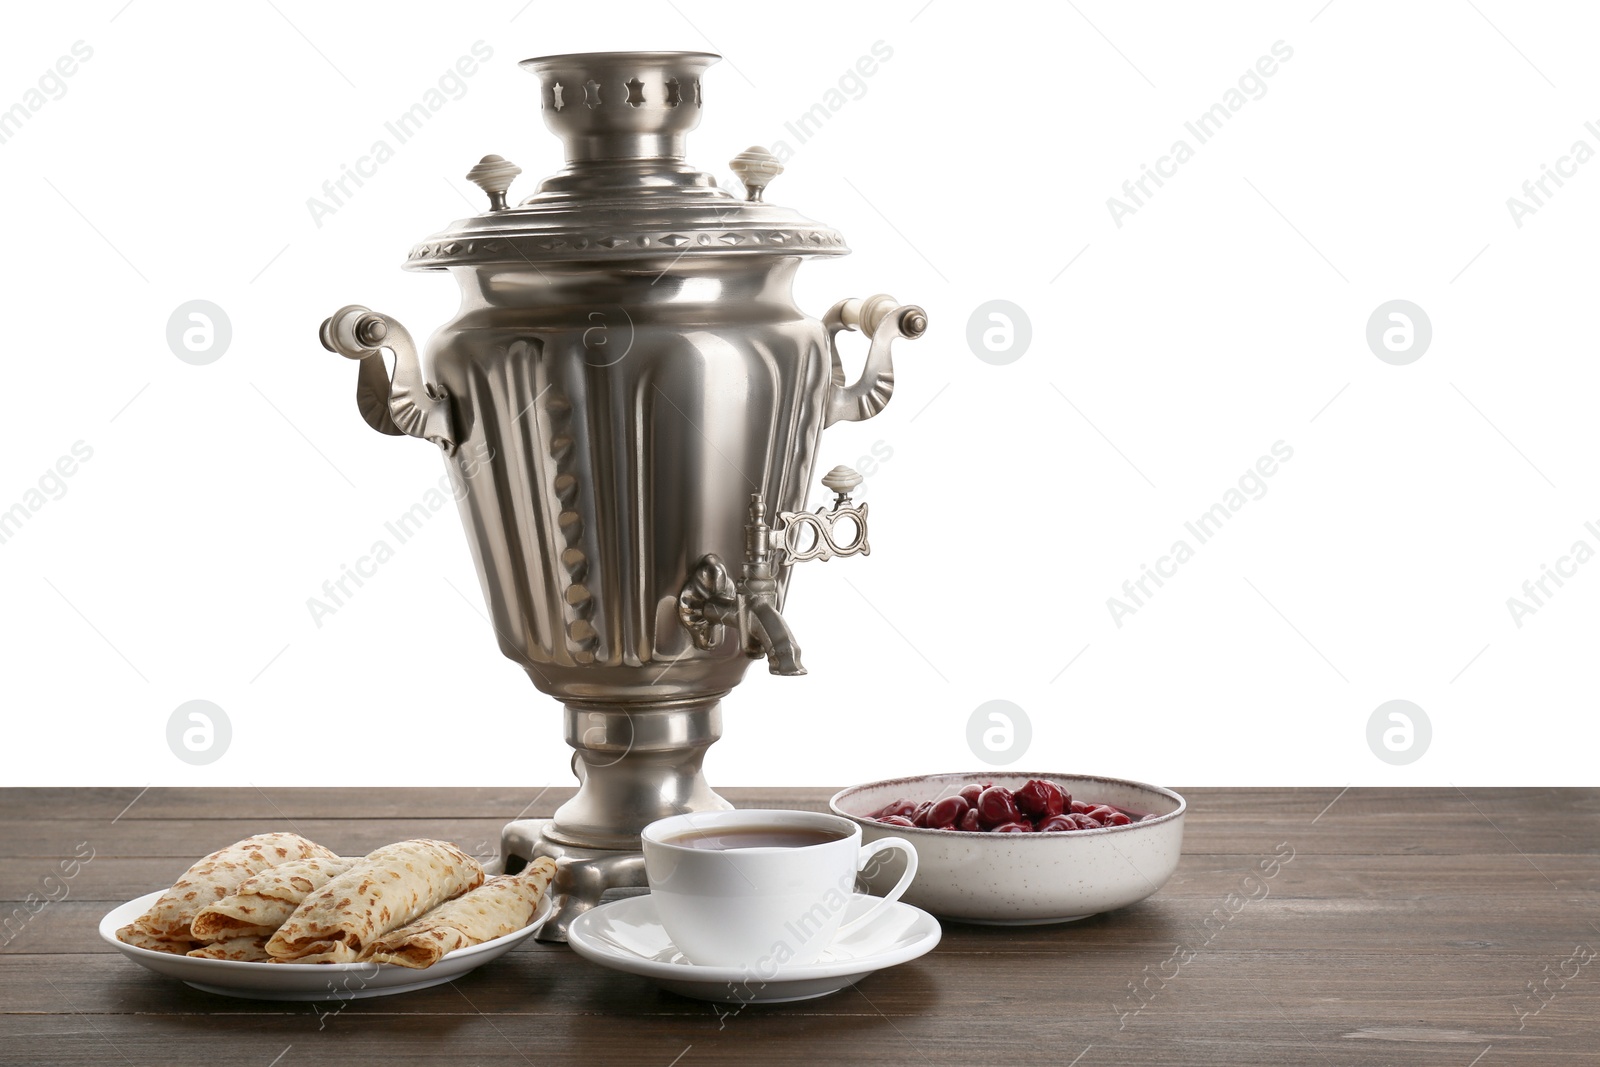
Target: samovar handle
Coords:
[[400, 403], [884, 322]]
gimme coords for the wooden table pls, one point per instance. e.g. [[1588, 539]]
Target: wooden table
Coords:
[[1410, 927]]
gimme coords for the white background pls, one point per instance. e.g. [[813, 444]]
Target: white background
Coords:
[[1225, 315]]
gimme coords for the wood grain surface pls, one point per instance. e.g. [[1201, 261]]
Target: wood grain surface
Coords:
[[1431, 926]]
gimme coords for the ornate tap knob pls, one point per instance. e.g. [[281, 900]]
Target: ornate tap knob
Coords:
[[494, 175], [756, 167], [842, 480]]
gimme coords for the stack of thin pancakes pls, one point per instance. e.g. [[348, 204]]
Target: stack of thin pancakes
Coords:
[[278, 898]]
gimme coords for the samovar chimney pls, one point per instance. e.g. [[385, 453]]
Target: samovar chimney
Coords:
[[618, 106]]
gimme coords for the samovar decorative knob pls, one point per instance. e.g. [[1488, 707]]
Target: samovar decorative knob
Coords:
[[756, 167], [494, 175]]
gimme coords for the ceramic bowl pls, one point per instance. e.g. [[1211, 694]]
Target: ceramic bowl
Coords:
[[1020, 879]]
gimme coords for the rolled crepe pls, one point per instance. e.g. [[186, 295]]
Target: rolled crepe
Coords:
[[500, 906], [245, 949], [133, 935], [387, 889], [263, 902], [170, 917]]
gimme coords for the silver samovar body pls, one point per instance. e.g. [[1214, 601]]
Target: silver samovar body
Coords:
[[631, 406]]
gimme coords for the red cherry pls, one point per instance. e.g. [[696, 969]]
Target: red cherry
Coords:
[[1040, 806], [1040, 799], [997, 806], [947, 812]]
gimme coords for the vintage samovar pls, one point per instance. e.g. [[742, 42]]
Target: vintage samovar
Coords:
[[631, 404]]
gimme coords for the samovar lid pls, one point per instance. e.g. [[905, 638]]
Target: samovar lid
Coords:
[[626, 191]]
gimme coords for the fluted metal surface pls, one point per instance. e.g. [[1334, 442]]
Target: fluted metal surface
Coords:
[[626, 436]]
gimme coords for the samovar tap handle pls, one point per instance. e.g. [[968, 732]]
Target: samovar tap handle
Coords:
[[400, 403], [826, 532], [884, 322]]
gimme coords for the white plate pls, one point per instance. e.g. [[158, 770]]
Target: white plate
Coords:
[[625, 935], [306, 981]]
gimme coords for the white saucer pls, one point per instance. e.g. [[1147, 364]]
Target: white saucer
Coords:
[[625, 935], [307, 981]]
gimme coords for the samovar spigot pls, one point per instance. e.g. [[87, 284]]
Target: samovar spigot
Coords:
[[762, 625], [712, 599]]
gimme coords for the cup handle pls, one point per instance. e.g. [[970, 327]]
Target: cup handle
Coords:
[[869, 851]]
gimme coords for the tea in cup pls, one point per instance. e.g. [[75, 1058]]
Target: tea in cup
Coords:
[[760, 888]]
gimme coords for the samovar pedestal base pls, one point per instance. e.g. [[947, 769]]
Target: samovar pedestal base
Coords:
[[636, 762], [582, 874]]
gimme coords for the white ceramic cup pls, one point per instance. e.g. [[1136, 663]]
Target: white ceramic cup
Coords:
[[762, 908]]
